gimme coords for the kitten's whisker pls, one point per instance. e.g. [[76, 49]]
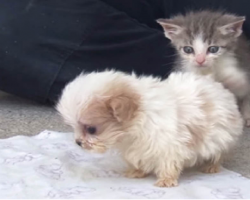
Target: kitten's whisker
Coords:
[[170, 63], [171, 56]]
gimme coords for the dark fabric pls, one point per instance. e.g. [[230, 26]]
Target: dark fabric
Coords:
[[116, 41], [46, 43]]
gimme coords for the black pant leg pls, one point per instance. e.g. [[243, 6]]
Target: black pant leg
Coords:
[[116, 41], [144, 11], [46, 43], [36, 37]]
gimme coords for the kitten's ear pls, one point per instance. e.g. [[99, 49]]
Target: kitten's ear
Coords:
[[170, 28], [234, 29], [123, 108]]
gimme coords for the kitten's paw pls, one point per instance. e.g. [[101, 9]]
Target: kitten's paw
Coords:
[[210, 169], [135, 173], [247, 122], [245, 111], [167, 182]]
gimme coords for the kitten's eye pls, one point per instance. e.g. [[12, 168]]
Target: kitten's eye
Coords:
[[213, 49], [188, 49], [90, 129]]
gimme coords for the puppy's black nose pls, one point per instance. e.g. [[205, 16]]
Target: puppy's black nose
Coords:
[[78, 142]]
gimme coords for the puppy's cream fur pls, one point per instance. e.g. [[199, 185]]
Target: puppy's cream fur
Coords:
[[159, 126]]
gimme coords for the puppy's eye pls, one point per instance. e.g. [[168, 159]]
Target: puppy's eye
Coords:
[[90, 129], [188, 49]]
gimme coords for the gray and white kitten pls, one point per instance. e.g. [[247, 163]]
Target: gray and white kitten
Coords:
[[212, 43]]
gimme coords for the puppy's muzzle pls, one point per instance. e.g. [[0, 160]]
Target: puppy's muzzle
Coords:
[[83, 144], [78, 142]]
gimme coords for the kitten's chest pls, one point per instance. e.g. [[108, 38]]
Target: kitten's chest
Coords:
[[228, 72]]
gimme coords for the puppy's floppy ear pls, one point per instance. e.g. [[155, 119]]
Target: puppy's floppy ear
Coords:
[[123, 108]]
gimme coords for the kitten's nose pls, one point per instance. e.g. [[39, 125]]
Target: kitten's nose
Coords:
[[200, 59], [79, 142], [200, 62]]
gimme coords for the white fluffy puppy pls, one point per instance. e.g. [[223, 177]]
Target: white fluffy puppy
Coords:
[[159, 126]]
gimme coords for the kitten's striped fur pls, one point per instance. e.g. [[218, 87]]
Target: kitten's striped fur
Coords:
[[230, 65]]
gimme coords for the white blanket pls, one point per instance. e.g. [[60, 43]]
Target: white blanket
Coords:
[[50, 165]]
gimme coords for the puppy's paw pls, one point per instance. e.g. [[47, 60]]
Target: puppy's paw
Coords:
[[135, 173], [166, 182], [210, 169]]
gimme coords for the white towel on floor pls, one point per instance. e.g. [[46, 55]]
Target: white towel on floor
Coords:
[[50, 165]]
